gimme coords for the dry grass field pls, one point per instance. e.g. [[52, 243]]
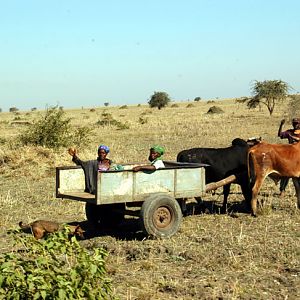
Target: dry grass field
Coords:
[[213, 256]]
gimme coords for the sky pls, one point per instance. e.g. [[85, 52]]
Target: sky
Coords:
[[84, 53]]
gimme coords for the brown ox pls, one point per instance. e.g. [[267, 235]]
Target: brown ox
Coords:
[[274, 160]]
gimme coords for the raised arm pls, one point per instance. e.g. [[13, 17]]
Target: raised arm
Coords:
[[280, 128]]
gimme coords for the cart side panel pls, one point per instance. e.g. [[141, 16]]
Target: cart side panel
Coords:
[[115, 187], [160, 181], [128, 186], [190, 183], [71, 180], [70, 184]]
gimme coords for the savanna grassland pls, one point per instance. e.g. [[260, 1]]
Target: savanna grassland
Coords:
[[213, 256]]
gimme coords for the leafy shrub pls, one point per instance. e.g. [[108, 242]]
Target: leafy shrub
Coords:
[[108, 120], [54, 130], [197, 99], [34, 109], [123, 107], [92, 110], [55, 268], [13, 109], [175, 105]]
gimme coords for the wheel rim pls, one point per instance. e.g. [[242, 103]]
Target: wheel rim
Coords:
[[162, 217]]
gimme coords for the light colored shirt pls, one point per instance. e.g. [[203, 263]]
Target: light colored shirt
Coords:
[[158, 164]]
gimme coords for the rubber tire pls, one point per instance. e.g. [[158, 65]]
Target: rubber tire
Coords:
[[160, 216], [105, 216]]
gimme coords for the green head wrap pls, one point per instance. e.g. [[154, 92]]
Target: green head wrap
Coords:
[[158, 149]]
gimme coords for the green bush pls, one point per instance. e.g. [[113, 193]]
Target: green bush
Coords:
[[53, 130], [159, 100], [108, 120], [54, 268]]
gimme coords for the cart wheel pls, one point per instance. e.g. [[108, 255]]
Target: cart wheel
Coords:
[[105, 216], [160, 216]]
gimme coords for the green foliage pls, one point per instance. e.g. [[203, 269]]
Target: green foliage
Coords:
[[159, 100], [53, 130], [55, 268], [108, 120], [13, 109], [197, 99], [268, 93]]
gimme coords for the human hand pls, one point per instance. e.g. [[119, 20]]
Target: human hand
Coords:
[[72, 151], [136, 169]]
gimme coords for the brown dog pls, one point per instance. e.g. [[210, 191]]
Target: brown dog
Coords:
[[40, 228]]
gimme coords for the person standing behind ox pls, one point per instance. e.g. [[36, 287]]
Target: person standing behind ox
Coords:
[[293, 136], [155, 157]]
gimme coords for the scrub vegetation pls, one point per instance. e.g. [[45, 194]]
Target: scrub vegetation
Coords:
[[213, 255]]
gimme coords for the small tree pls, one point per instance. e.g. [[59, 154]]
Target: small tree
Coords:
[[106, 104], [197, 99], [268, 93], [13, 109], [159, 100]]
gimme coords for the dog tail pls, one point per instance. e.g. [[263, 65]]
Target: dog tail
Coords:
[[24, 226]]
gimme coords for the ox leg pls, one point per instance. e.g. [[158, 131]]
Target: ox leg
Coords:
[[226, 190], [255, 190], [296, 182], [246, 190]]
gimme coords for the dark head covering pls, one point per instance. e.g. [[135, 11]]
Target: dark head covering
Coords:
[[158, 149], [103, 147]]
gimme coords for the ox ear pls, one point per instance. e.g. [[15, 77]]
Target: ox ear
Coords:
[[254, 140]]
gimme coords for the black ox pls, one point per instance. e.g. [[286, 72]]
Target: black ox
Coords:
[[223, 162]]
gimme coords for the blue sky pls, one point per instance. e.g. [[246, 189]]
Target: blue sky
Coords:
[[85, 53]]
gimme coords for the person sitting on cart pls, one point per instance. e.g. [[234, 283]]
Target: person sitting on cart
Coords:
[[155, 157], [92, 167]]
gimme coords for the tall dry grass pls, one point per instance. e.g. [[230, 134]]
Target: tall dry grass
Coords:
[[212, 256]]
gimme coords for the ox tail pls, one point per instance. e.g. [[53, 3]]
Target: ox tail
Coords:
[[251, 172]]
